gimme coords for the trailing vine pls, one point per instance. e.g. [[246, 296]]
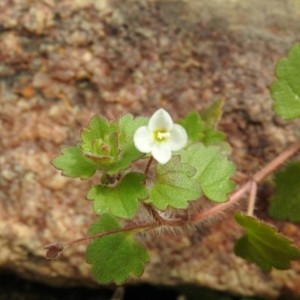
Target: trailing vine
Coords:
[[149, 166]]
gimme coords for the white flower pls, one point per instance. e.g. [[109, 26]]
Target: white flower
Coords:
[[160, 137]]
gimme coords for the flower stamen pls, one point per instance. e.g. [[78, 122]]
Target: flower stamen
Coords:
[[162, 135]]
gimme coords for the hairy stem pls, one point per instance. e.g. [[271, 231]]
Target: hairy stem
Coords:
[[277, 162], [138, 227], [246, 187], [250, 185]]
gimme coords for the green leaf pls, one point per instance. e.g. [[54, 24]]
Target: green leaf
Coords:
[[174, 185], [285, 203], [98, 128], [99, 142], [127, 126], [263, 246], [285, 90], [110, 144], [203, 129], [214, 170], [213, 113], [194, 126], [120, 200], [73, 163], [116, 256], [213, 137]]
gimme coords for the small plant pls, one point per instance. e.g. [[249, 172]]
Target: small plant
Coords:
[[150, 169]]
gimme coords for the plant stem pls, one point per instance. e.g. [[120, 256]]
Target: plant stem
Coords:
[[138, 227], [249, 186], [246, 187], [147, 169], [277, 162], [252, 198]]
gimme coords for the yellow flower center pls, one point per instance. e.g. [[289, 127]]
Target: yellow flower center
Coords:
[[161, 135]]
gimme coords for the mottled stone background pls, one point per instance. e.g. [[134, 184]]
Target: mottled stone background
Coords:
[[63, 61]]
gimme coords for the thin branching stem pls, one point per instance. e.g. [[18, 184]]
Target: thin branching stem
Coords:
[[151, 210], [138, 227], [234, 197], [245, 188], [276, 163], [252, 198], [147, 169]]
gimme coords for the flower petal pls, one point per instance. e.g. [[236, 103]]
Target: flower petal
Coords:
[[178, 138], [143, 139], [160, 120], [161, 152]]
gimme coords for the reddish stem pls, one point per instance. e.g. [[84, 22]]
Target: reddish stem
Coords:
[[277, 162], [246, 187], [252, 198], [138, 227], [197, 217], [147, 169]]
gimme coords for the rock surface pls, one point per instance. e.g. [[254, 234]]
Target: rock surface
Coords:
[[63, 61]]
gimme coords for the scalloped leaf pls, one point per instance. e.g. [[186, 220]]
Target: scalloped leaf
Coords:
[[110, 144], [285, 202], [194, 126], [285, 90], [263, 246], [202, 127], [99, 142], [213, 113], [98, 128], [214, 170], [213, 137], [127, 126], [174, 185], [116, 256], [120, 200], [73, 164]]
